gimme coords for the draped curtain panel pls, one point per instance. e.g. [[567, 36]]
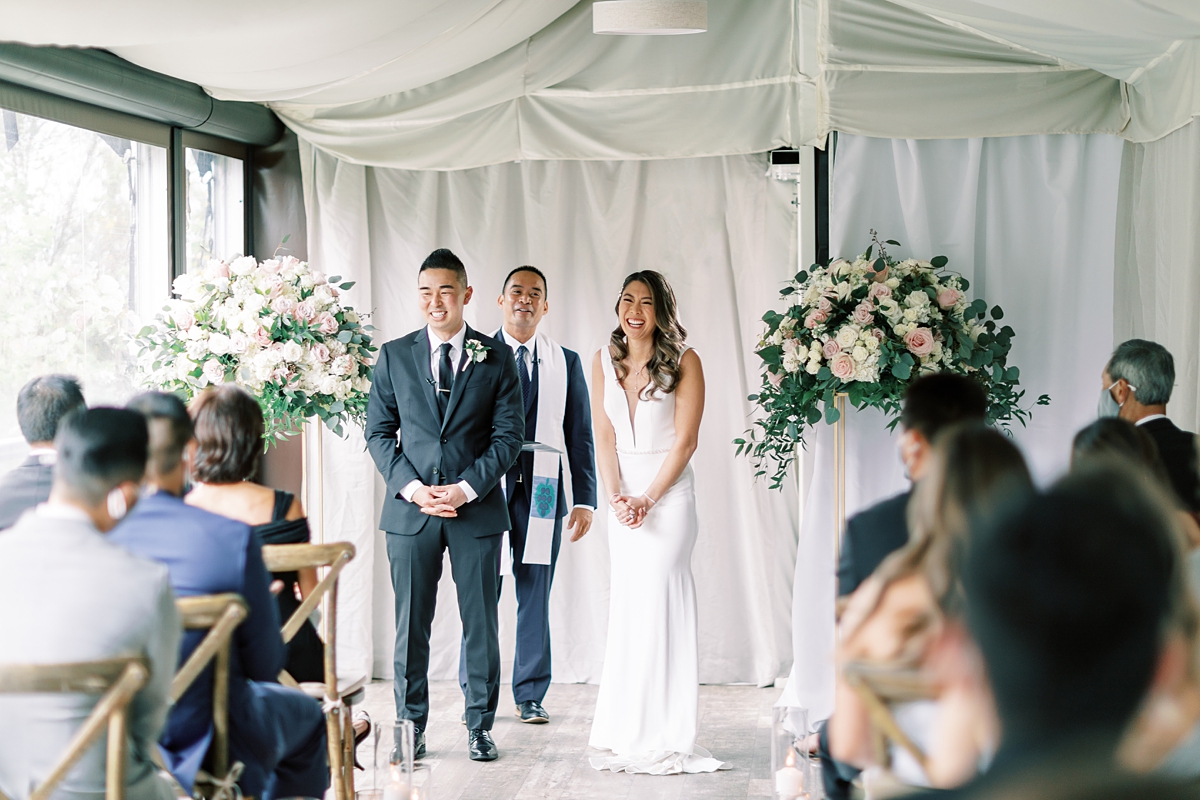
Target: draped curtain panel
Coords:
[[1030, 222], [722, 232], [1158, 244]]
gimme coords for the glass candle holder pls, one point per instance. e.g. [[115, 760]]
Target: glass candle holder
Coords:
[[791, 776]]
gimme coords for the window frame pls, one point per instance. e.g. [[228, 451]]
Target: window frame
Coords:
[[34, 103]]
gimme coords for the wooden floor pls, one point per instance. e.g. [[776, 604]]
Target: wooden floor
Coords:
[[550, 761]]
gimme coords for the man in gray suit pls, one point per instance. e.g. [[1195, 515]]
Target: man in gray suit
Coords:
[[454, 397], [41, 403], [69, 595]]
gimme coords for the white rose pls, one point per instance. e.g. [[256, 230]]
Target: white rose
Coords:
[[859, 354], [344, 388], [239, 343], [323, 295], [218, 344], [254, 303], [893, 283], [195, 350], [776, 338], [361, 383], [328, 385], [911, 315], [871, 343], [812, 367], [847, 336], [843, 290], [792, 364], [243, 266], [214, 371], [292, 351], [183, 368]]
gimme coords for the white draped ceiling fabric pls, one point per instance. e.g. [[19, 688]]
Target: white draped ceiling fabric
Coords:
[[461, 84]]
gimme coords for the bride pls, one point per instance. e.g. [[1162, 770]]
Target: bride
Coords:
[[649, 397]]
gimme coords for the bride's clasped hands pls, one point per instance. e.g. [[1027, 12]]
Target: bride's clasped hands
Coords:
[[631, 511]]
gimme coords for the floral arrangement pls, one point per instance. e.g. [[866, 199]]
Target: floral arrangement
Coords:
[[867, 328], [277, 328]]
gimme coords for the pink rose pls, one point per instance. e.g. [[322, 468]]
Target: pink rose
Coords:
[[948, 297], [327, 323], [221, 269], [862, 313], [306, 310], [321, 352], [824, 305], [318, 277], [270, 266], [790, 346], [831, 348], [842, 366], [283, 305], [878, 334], [775, 379], [879, 290], [262, 337], [919, 341], [815, 318]]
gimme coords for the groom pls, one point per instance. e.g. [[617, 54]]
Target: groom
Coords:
[[454, 397]]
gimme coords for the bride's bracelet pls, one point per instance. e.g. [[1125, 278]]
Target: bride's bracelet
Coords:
[[612, 500], [653, 502]]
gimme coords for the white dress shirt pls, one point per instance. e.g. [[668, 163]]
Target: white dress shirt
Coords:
[[435, 358], [1150, 418]]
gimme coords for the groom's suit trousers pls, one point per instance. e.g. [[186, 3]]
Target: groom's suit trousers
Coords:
[[416, 563]]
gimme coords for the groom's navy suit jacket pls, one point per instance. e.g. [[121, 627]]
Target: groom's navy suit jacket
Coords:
[[477, 442]]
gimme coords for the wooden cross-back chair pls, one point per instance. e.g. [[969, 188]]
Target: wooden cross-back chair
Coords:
[[116, 680], [879, 687], [336, 698], [219, 614]]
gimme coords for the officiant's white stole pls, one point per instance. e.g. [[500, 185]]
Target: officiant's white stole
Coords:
[[548, 446]]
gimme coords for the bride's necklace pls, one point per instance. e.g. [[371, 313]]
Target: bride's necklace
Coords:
[[632, 384]]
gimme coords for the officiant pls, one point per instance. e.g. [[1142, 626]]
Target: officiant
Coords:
[[556, 463]]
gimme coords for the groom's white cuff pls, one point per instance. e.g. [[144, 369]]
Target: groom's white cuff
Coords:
[[411, 488]]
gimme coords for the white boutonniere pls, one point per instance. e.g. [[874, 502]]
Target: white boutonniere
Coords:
[[475, 350]]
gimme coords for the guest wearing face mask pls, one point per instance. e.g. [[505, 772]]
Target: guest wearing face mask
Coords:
[[70, 595], [931, 404], [1136, 386]]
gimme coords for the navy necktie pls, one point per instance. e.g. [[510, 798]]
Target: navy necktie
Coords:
[[526, 384], [445, 379]]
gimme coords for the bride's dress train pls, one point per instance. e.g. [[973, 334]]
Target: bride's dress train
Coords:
[[649, 690]]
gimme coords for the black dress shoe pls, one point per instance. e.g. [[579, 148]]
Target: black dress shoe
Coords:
[[531, 711], [418, 748], [480, 746]]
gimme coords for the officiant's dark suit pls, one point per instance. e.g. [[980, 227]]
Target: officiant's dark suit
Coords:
[[474, 438], [25, 487]]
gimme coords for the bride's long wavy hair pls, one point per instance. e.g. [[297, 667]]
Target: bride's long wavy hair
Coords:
[[669, 335]]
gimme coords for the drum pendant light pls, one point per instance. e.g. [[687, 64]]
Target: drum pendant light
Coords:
[[650, 17]]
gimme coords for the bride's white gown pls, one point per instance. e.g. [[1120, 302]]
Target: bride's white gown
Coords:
[[646, 711]]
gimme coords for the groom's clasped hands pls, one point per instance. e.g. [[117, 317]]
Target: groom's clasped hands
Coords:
[[440, 501]]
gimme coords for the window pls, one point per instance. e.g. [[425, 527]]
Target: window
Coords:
[[84, 254], [215, 208]]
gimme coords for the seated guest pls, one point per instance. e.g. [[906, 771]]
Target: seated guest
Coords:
[[41, 403], [931, 404], [277, 732], [1136, 386], [909, 612], [1074, 598], [70, 595], [1111, 437], [229, 446]]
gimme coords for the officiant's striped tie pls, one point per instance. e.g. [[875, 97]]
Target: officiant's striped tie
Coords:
[[526, 383]]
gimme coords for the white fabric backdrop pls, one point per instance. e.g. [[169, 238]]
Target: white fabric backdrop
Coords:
[[718, 228], [1158, 258], [1030, 222]]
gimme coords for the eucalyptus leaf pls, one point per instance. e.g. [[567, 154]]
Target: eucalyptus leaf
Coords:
[[939, 261]]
